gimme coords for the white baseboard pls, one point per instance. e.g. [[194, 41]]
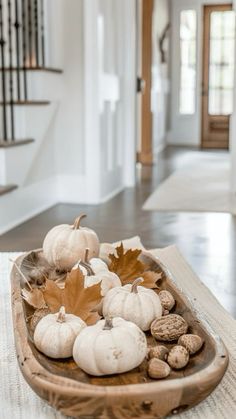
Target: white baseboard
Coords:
[[160, 147], [111, 194], [171, 139], [71, 189], [26, 202]]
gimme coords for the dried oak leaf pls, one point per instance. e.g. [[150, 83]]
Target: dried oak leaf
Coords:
[[128, 267], [74, 297], [34, 297]]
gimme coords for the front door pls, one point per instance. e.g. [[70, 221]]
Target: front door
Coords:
[[218, 75]]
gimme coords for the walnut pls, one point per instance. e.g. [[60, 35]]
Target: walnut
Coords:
[[191, 342], [158, 368], [169, 328], [178, 357], [167, 299], [159, 351]]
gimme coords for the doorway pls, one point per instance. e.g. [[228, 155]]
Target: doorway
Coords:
[[217, 75]]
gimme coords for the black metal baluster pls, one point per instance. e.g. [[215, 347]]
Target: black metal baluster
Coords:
[[30, 52], [10, 69], [42, 34], [2, 45], [17, 37], [36, 32], [24, 48]]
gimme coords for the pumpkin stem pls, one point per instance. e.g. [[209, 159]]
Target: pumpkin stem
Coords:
[[61, 318], [108, 323], [86, 263], [77, 221], [135, 284], [86, 259]]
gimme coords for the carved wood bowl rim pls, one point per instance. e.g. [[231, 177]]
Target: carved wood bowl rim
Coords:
[[38, 376]]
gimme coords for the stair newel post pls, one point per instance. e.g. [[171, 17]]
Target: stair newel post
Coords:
[[36, 32], [42, 33], [17, 41], [30, 51], [3, 75], [24, 47], [10, 69]]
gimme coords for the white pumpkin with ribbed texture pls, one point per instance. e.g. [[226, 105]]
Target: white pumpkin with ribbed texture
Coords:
[[108, 281], [95, 271], [65, 244], [111, 346], [55, 334], [135, 303]]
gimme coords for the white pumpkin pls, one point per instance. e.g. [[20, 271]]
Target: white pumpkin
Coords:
[[98, 265], [95, 271], [55, 334], [108, 281], [111, 346], [135, 303], [107, 249], [65, 244]]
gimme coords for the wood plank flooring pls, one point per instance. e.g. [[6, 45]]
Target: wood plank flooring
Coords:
[[207, 240]]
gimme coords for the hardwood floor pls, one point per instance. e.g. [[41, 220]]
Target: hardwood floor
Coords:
[[207, 240]]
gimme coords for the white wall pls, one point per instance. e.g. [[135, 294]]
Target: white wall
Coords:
[[86, 149], [186, 129], [160, 76]]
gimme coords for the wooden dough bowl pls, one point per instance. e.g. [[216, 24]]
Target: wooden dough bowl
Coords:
[[130, 395]]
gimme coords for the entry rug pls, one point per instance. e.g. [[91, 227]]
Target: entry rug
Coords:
[[18, 401], [202, 187]]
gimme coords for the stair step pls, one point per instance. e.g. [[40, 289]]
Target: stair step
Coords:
[[14, 143], [7, 188], [47, 69], [27, 102]]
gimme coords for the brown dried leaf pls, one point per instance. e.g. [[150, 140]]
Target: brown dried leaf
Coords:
[[34, 297], [53, 296], [74, 297], [126, 264], [128, 267]]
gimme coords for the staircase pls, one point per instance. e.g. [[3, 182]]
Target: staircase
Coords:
[[22, 64]]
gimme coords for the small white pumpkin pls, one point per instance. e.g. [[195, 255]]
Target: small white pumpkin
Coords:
[[95, 271], [98, 265], [137, 304], [108, 281], [111, 346], [55, 334], [65, 244], [106, 249]]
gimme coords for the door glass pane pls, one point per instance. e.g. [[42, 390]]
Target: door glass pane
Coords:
[[221, 62], [187, 91]]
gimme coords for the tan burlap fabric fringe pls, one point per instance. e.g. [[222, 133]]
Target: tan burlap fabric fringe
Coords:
[[18, 401]]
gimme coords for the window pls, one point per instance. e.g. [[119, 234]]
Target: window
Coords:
[[221, 62], [187, 93]]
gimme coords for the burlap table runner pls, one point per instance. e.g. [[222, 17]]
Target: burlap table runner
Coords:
[[18, 401]]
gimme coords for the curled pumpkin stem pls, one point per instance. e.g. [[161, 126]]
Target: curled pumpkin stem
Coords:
[[135, 284], [86, 264], [77, 221]]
